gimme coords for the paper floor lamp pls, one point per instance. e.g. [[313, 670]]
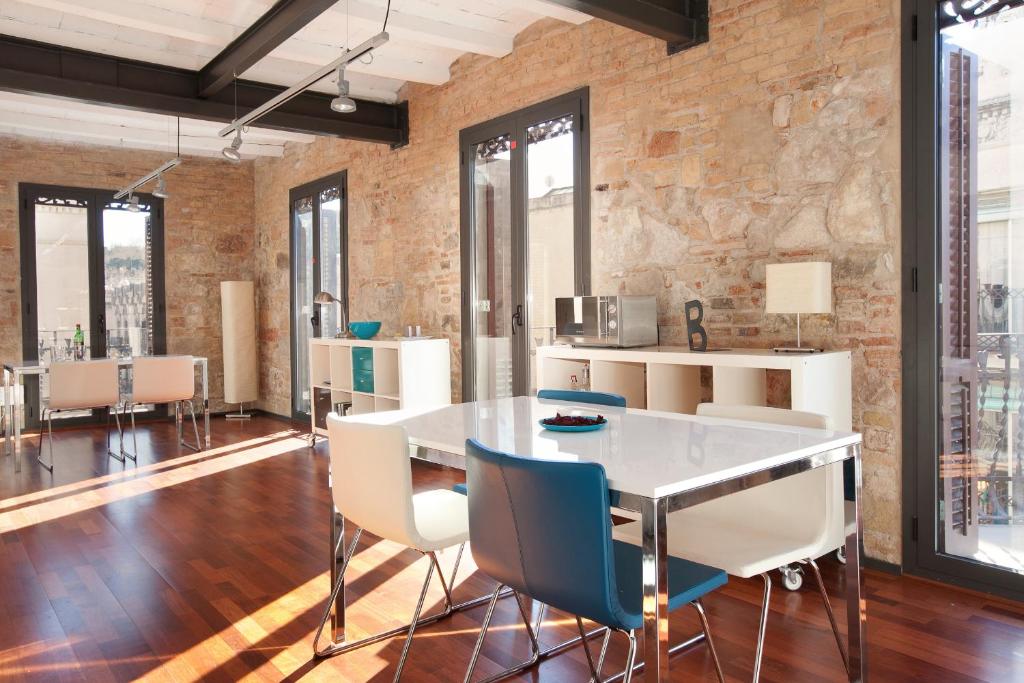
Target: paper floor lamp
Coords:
[[238, 319]]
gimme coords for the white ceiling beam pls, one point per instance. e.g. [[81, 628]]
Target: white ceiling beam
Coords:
[[160, 125], [547, 9], [48, 127], [418, 27], [145, 17]]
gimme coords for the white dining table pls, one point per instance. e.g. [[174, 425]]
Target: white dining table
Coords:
[[656, 463], [14, 377]]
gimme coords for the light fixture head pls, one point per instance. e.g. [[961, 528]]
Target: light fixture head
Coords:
[[324, 298], [133, 203], [343, 104], [161, 187], [231, 151]]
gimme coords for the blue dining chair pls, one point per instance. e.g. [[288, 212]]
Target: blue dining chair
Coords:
[[543, 529], [597, 398]]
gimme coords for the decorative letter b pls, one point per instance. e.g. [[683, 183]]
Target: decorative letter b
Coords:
[[694, 318]]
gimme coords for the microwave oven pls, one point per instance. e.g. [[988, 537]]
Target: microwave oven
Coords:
[[613, 321]]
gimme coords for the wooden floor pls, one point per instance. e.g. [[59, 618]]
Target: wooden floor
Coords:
[[212, 566]]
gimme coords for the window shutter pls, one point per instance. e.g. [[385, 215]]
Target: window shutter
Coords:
[[959, 296]]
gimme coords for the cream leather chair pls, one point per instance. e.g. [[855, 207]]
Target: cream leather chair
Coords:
[[752, 532], [81, 385], [372, 488], [163, 379]]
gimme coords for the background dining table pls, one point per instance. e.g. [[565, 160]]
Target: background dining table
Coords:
[[14, 376], [656, 463]]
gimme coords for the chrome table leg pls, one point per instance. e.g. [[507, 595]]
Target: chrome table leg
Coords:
[[856, 609], [206, 401], [337, 631], [16, 412], [654, 513]]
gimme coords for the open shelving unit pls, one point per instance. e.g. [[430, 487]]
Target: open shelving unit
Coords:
[[372, 376], [669, 378]]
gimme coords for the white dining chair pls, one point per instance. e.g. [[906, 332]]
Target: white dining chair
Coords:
[[371, 476], [752, 532], [81, 385], [159, 380]]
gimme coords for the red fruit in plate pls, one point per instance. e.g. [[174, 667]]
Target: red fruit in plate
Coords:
[[560, 420]]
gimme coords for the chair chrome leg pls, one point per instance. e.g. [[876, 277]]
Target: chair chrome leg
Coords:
[[604, 651], [483, 634], [532, 633], [595, 673], [831, 617], [195, 428], [630, 657], [49, 430], [762, 625], [415, 619], [327, 651], [133, 454], [699, 606], [110, 451]]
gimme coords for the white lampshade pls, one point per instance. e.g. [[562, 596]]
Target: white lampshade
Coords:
[[798, 287]]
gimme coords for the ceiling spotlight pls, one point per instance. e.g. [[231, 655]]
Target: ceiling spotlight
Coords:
[[133, 203], [161, 187], [231, 151], [343, 104]]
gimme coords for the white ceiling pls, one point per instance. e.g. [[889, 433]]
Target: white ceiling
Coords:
[[426, 37]]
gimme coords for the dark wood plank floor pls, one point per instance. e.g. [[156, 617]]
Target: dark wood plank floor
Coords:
[[212, 566]]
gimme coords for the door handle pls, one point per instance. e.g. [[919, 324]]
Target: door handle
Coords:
[[517, 318]]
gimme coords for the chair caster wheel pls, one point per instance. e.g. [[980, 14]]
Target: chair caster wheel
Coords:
[[841, 555], [792, 578]]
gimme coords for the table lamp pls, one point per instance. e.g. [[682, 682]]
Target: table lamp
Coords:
[[798, 288], [326, 298]]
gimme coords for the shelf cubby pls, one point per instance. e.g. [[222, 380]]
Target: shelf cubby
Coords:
[[341, 368], [624, 378], [673, 388], [382, 403], [362, 403], [319, 365], [385, 372]]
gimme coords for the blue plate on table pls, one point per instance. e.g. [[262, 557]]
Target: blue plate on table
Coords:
[[575, 428]]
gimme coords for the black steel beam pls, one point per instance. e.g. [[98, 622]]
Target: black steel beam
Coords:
[[680, 23], [279, 24], [40, 68]]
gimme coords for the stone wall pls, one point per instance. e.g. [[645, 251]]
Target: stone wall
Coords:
[[778, 140], [208, 226]]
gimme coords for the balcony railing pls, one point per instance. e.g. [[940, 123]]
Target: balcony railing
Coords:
[[999, 451]]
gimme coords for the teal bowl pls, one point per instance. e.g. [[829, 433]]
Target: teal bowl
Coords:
[[364, 330]]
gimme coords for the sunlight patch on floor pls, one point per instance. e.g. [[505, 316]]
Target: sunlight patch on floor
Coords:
[[134, 482]]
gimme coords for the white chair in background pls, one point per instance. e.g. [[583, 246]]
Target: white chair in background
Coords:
[[163, 379], [372, 488], [750, 533], [81, 385]]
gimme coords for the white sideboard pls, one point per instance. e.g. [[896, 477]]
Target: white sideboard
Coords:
[[377, 375], [668, 377]]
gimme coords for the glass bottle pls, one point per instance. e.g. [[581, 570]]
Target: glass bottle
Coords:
[[79, 342]]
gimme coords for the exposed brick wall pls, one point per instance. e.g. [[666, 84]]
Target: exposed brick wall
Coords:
[[208, 226], [778, 140]]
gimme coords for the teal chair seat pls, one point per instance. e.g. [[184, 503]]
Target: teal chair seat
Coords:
[[461, 488], [687, 581]]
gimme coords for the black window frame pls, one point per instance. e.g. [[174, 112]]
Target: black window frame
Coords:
[[97, 200], [921, 247], [313, 188], [576, 104]]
